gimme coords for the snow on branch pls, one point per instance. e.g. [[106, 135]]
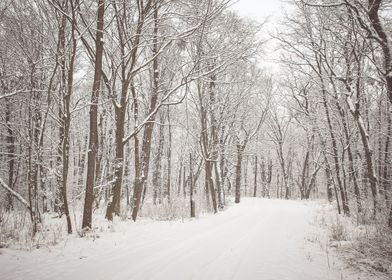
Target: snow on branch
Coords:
[[14, 193]]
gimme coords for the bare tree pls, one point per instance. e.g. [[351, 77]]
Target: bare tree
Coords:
[[93, 132]]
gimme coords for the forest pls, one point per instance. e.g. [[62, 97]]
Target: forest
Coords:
[[164, 110]]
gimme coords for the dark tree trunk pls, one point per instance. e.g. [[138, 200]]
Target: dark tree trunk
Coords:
[[191, 188], [10, 140], [385, 177], [245, 171], [238, 169], [263, 178], [93, 140], [304, 177], [355, 111], [329, 184], [59, 199], [157, 174], [66, 120], [346, 209], [373, 13], [184, 180], [121, 107], [169, 155], [210, 184], [179, 179], [255, 179], [269, 178], [114, 205], [352, 172], [142, 168], [218, 182]]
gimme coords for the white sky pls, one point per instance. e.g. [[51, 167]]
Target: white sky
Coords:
[[259, 9]]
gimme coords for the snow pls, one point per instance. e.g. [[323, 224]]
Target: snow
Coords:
[[257, 239]]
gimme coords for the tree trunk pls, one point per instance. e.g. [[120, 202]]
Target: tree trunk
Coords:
[[263, 177], [269, 178], [210, 184], [179, 179], [246, 186], [255, 179], [59, 199], [284, 171], [218, 182], [238, 169], [373, 13], [371, 174], [157, 174], [305, 172], [114, 205], [385, 177], [169, 155], [346, 209], [66, 120], [329, 184], [93, 140], [353, 174], [143, 166], [191, 188], [184, 179], [10, 140]]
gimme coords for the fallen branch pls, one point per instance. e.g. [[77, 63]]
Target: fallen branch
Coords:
[[15, 194]]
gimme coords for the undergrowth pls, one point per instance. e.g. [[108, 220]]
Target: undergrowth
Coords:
[[16, 229], [365, 243]]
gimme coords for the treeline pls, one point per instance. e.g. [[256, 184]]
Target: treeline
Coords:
[[338, 54], [129, 106], [120, 103]]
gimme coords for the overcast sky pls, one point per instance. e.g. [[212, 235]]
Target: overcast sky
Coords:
[[259, 10]]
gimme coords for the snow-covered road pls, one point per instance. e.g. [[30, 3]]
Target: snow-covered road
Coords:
[[258, 239]]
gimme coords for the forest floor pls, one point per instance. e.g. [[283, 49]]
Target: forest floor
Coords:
[[257, 239]]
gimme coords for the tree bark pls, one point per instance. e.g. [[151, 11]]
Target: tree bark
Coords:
[[157, 174], [255, 179], [67, 124], [384, 41], [191, 188], [269, 178], [385, 177], [238, 169], [127, 75], [169, 155], [143, 166], [10, 140], [371, 174], [346, 209], [93, 139]]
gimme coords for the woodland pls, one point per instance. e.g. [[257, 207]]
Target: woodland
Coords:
[[164, 109]]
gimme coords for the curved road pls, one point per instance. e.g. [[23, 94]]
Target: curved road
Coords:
[[258, 239]]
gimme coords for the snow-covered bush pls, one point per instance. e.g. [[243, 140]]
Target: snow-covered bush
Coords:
[[15, 227], [16, 230], [338, 230], [164, 211]]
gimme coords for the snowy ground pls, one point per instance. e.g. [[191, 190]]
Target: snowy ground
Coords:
[[257, 239]]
